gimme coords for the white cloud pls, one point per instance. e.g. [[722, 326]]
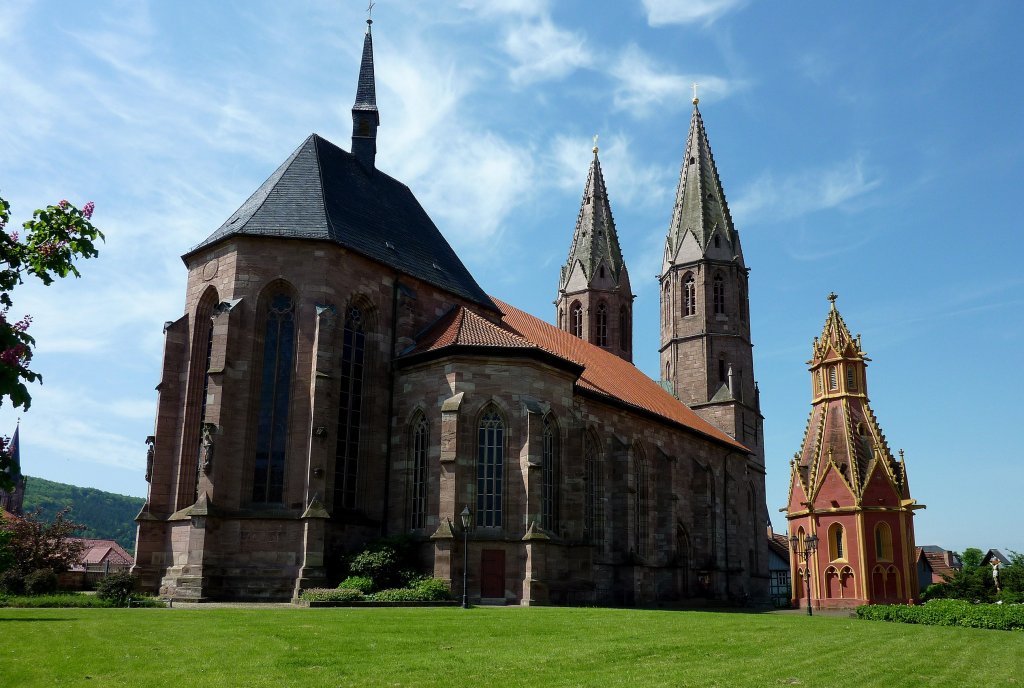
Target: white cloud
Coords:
[[630, 181], [772, 197], [543, 51], [526, 8], [662, 12], [642, 85]]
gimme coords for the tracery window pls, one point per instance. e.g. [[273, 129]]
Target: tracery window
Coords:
[[602, 325], [690, 296], [418, 508], [490, 467], [275, 386], [593, 517], [639, 503], [576, 319], [718, 292], [549, 474], [350, 408]]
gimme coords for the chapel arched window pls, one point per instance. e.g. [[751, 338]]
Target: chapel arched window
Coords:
[[350, 409], [275, 388], [549, 474], [419, 446], [490, 468]]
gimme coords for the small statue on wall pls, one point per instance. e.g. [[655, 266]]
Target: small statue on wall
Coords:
[[150, 451], [206, 448]]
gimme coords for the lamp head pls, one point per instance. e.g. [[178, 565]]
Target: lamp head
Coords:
[[466, 517]]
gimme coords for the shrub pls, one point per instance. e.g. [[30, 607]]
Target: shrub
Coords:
[[331, 595], [41, 582], [363, 584], [380, 565], [432, 589], [949, 613], [12, 582], [396, 595], [116, 588]]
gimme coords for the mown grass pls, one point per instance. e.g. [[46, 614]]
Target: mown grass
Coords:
[[490, 647]]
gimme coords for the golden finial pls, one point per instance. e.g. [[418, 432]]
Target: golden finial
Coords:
[[595, 144], [695, 98], [832, 298]]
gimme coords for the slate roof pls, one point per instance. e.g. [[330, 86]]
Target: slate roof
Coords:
[[700, 206], [366, 92], [322, 192], [601, 373], [595, 239]]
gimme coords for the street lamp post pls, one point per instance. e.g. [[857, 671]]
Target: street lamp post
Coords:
[[467, 519], [805, 548]]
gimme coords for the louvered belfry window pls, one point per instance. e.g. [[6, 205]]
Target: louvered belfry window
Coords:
[[719, 295], [275, 386], [689, 296], [576, 319], [602, 325]]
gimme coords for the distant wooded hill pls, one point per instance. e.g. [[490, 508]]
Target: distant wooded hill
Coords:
[[105, 515]]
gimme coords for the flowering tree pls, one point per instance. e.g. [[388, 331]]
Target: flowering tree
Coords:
[[47, 248], [36, 543]]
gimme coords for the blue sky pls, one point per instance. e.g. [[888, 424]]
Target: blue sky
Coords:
[[876, 150]]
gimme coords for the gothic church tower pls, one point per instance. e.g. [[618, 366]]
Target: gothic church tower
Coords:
[[595, 302], [707, 358]]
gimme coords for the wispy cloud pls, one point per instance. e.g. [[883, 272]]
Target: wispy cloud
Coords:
[[630, 181], [642, 85], [773, 197], [543, 51], [662, 12]]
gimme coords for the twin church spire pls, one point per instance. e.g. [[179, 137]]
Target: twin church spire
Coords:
[[595, 301]]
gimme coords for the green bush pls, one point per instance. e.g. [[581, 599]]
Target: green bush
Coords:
[[331, 595], [116, 588], [432, 589], [396, 595], [62, 600], [949, 613], [363, 584], [41, 582], [380, 565], [12, 582]]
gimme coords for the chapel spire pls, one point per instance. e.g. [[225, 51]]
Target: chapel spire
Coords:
[[595, 301], [365, 118]]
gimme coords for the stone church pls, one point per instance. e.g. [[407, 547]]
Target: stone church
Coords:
[[338, 375]]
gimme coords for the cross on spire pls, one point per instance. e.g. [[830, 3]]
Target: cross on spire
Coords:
[[595, 143], [695, 98], [369, 13]]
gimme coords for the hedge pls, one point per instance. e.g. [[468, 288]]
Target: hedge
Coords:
[[1005, 617], [331, 595]]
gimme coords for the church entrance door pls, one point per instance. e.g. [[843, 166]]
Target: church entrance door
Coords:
[[492, 573]]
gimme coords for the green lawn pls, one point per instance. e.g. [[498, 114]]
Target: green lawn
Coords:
[[490, 647]]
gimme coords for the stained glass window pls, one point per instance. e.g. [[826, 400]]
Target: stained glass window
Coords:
[[490, 467], [350, 407], [275, 386], [418, 512]]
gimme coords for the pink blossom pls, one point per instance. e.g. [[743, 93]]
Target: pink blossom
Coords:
[[14, 235], [63, 204], [87, 210]]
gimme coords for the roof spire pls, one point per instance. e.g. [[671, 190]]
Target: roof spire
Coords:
[[365, 118]]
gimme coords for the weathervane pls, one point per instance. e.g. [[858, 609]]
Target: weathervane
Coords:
[[595, 143], [695, 98], [369, 13]]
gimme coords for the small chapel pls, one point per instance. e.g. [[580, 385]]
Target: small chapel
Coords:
[[338, 376], [848, 495]]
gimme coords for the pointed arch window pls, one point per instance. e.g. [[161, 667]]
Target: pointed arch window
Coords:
[[593, 513], [689, 296], [490, 468], [836, 544], [549, 474], [350, 408], [275, 388], [883, 542], [602, 325], [718, 294], [576, 319], [833, 379], [624, 328], [640, 505], [419, 445]]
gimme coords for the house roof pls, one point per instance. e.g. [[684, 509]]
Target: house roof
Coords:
[[778, 543], [600, 372], [942, 562], [322, 192], [995, 554], [96, 551]]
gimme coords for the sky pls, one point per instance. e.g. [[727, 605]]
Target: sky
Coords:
[[873, 149]]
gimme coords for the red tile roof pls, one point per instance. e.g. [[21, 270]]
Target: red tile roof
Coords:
[[98, 551], [604, 373]]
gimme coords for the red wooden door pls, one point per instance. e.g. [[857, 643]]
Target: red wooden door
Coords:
[[492, 573]]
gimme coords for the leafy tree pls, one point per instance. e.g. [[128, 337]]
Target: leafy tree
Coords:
[[52, 241], [971, 558], [39, 544]]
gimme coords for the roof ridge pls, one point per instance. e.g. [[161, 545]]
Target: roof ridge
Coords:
[[317, 139]]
